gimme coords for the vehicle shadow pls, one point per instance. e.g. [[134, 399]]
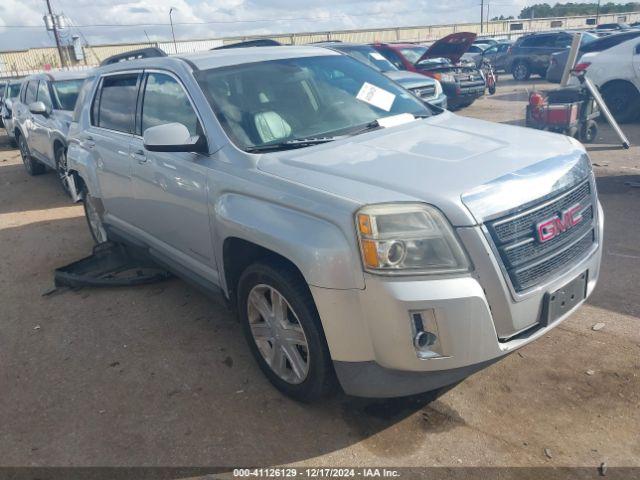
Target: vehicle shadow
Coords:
[[158, 372], [621, 253]]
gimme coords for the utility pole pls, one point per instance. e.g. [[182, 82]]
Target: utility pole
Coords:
[[173, 34], [55, 34], [598, 13], [481, 15]]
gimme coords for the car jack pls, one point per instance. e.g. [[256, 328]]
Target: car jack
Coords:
[[110, 265]]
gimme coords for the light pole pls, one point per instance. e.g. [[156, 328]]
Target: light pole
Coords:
[[173, 34], [598, 13]]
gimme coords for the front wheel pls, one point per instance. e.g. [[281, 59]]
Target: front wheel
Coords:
[[31, 165], [93, 212], [283, 329]]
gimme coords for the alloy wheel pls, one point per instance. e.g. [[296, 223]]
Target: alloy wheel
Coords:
[[278, 334], [61, 168], [24, 153], [94, 219]]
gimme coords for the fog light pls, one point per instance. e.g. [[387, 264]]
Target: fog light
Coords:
[[424, 339]]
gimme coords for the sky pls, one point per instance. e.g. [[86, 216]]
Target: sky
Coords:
[[96, 18]]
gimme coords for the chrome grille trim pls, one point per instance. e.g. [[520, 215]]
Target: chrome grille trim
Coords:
[[525, 262]]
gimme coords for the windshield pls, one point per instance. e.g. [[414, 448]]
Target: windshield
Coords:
[[276, 101], [413, 54], [66, 92], [370, 56], [14, 90]]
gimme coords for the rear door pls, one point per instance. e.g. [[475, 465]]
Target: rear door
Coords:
[[42, 125], [171, 187], [636, 64], [23, 114], [109, 137]]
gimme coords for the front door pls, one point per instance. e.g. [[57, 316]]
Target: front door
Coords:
[[171, 188], [42, 126], [110, 140]]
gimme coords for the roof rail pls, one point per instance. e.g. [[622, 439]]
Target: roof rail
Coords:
[[260, 42], [149, 52]]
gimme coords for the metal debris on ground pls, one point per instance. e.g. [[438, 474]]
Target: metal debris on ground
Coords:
[[110, 265], [597, 327], [547, 453]]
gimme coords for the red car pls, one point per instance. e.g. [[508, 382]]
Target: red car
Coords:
[[461, 82]]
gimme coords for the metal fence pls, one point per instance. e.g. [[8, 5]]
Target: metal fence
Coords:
[[25, 62]]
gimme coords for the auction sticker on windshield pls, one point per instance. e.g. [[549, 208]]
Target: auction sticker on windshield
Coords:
[[377, 56], [376, 96]]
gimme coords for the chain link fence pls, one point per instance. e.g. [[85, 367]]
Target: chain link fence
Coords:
[[26, 62]]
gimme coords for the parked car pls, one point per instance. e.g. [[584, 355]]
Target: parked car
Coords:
[[496, 55], [358, 233], [42, 114], [12, 91], [462, 83], [530, 54], [3, 89], [597, 44], [485, 42], [610, 28], [474, 54], [425, 88], [616, 72]]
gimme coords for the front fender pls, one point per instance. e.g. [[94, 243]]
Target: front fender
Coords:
[[321, 251]]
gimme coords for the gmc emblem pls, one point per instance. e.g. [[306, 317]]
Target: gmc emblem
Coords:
[[552, 227]]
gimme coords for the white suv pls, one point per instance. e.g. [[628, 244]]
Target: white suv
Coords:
[[616, 72]]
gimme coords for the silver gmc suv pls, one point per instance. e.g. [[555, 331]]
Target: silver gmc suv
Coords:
[[41, 117], [362, 236]]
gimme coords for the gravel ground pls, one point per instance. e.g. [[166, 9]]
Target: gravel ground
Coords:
[[159, 375]]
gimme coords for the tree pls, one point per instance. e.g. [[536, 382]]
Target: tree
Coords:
[[544, 10]]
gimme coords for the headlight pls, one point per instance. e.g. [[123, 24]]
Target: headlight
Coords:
[[438, 88], [408, 239], [447, 77]]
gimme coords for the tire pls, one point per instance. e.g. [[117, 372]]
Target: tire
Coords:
[[31, 165], [292, 352], [623, 101], [589, 131], [61, 169], [521, 71], [93, 212]]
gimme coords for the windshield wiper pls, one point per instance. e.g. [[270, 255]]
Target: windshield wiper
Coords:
[[290, 144], [375, 125]]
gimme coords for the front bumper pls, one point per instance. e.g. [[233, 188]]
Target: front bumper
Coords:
[[370, 332]]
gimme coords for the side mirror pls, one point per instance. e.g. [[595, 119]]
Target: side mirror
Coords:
[[8, 104], [38, 108], [172, 137]]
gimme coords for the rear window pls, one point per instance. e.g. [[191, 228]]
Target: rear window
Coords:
[[116, 103], [605, 43]]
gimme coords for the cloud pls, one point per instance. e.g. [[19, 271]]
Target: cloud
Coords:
[[230, 17]]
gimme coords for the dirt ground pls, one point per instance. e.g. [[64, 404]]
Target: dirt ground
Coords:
[[159, 375]]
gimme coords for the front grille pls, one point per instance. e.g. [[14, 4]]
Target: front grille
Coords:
[[427, 91], [526, 259]]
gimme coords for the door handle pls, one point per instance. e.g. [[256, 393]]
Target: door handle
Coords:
[[140, 156], [89, 142]]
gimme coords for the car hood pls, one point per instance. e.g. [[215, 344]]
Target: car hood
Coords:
[[410, 79], [437, 160], [452, 47]]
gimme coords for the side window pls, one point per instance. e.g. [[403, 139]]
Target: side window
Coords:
[[165, 101], [117, 102], [394, 58], [43, 95], [491, 50], [82, 96], [562, 41], [31, 92]]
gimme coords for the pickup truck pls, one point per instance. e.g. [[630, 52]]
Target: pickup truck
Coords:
[[365, 239]]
